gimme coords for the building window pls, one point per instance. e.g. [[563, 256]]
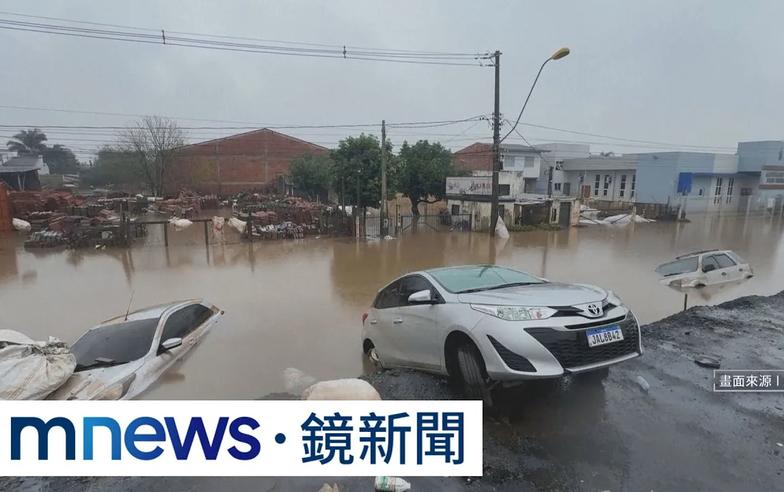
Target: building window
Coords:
[[557, 186], [622, 192], [717, 191], [774, 177], [730, 185], [455, 209], [503, 190], [596, 185], [528, 162], [634, 184], [606, 185], [701, 192], [567, 188]]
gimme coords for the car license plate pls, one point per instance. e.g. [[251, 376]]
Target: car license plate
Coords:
[[606, 334]]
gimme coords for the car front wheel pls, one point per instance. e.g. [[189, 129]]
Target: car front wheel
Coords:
[[472, 372]]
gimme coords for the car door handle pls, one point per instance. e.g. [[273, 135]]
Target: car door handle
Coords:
[[397, 321], [373, 321], [724, 273]]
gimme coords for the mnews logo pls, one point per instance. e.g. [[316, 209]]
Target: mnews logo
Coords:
[[240, 438]]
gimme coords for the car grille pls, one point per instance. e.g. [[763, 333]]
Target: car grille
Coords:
[[571, 348], [514, 361], [573, 311]]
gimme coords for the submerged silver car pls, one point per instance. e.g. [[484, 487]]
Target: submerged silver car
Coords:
[[121, 357], [487, 324]]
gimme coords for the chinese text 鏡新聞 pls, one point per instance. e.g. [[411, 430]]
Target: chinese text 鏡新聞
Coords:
[[751, 380], [383, 438]]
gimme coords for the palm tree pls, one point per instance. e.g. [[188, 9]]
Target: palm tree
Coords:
[[28, 142]]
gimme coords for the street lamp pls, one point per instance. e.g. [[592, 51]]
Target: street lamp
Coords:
[[560, 53]]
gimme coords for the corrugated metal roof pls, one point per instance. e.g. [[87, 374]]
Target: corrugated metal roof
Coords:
[[22, 164]]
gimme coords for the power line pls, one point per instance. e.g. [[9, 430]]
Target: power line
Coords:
[[276, 48], [576, 132], [222, 36], [245, 124]]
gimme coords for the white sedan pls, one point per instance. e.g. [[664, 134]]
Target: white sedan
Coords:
[[121, 357], [703, 268]]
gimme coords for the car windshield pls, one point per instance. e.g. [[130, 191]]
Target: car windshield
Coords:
[[474, 279], [115, 344], [686, 265]]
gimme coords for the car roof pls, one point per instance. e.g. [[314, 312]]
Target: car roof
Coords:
[[150, 312], [701, 252], [464, 267]]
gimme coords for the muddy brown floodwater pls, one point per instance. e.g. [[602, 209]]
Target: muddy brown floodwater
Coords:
[[299, 303]]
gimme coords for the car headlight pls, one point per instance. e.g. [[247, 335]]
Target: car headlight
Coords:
[[515, 313], [116, 390]]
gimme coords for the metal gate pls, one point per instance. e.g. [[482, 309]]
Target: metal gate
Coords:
[[441, 222]]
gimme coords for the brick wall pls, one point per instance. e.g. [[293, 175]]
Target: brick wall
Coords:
[[244, 162]]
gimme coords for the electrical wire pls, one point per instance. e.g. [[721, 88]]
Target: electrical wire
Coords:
[[277, 48]]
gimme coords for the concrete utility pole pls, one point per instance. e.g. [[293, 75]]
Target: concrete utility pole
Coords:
[[560, 53], [383, 218], [496, 143]]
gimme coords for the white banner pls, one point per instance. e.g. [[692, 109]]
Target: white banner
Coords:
[[240, 438]]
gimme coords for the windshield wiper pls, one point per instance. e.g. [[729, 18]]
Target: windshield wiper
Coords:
[[468, 291], [99, 362], [493, 287], [513, 284]]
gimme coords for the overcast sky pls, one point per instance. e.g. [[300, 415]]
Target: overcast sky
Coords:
[[686, 73]]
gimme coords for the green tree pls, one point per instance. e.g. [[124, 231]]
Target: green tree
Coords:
[[28, 142], [60, 160], [358, 166], [422, 172], [312, 175], [115, 167]]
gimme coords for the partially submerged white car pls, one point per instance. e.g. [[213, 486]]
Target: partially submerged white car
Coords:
[[703, 268], [121, 357]]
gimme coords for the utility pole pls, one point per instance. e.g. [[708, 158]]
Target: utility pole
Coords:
[[496, 143], [383, 218], [356, 207]]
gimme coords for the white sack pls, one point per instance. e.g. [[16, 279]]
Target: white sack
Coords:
[[21, 225], [31, 370], [500, 229], [180, 224], [341, 389], [217, 227], [237, 224]]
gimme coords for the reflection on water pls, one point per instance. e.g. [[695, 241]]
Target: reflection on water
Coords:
[[299, 303]]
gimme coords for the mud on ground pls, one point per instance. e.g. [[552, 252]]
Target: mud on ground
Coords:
[[584, 434]]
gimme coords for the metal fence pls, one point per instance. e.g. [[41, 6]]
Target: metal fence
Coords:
[[440, 222]]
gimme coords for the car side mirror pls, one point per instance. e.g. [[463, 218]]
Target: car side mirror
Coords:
[[708, 268], [170, 344], [421, 297]]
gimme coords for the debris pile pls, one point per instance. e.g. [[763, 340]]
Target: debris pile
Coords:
[[23, 203], [186, 205], [284, 217]]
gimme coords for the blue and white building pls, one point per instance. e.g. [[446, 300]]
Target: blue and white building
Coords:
[[752, 179]]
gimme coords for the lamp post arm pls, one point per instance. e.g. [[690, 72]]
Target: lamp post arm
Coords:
[[526, 99]]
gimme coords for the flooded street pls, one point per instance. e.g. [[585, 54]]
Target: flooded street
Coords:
[[299, 303]]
